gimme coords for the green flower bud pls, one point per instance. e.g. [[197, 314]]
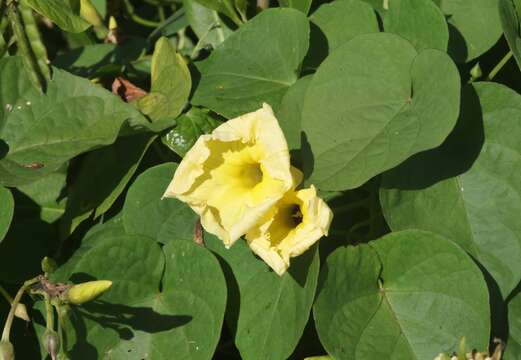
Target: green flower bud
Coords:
[[48, 265], [476, 72], [51, 341], [6, 350], [85, 292]]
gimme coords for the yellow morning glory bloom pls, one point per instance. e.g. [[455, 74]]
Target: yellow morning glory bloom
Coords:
[[233, 176], [298, 220]]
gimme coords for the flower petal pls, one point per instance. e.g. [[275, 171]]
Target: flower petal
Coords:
[[280, 236], [235, 175]]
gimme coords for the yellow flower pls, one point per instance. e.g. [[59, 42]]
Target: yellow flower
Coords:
[[233, 176], [298, 220]]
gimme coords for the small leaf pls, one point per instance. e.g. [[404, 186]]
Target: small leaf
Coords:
[[206, 24], [171, 84], [190, 126], [226, 7]]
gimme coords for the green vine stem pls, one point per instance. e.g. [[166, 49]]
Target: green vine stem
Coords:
[[138, 19], [6, 295], [61, 310], [499, 65], [30, 62], [9, 322], [49, 312]]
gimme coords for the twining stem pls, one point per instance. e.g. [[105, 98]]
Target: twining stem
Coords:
[[500, 65], [161, 13], [362, 203], [7, 327], [138, 19], [6, 295]]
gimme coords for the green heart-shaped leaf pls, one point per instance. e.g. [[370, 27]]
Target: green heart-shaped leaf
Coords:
[[409, 295], [374, 102]]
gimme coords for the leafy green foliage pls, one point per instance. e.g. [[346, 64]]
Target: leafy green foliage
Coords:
[[266, 324], [510, 12], [348, 149], [417, 157], [426, 29], [189, 127], [42, 132], [404, 296], [254, 64], [102, 177], [473, 199], [171, 84], [60, 13], [474, 26], [206, 23], [167, 219], [335, 24], [158, 299]]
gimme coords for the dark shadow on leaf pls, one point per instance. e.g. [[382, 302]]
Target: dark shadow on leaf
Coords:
[[457, 47], [109, 64], [318, 49], [29, 238], [498, 307], [123, 319], [454, 157], [306, 155], [4, 149], [300, 265], [234, 297]]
